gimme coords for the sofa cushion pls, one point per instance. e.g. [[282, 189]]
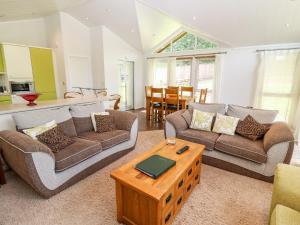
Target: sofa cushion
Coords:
[[242, 147], [209, 107], [251, 129], [202, 120], [107, 139], [188, 116], [61, 115], [81, 114], [75, 153], [202, 137], [225, 124], [283, 215], [260, 115], [55, 139], [104, 123]]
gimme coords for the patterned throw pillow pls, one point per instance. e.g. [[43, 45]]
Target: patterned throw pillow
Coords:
[[225, 124], [93, 118], [35, 131], [55, 139], [104, 123], [202, 120], [251, 129]]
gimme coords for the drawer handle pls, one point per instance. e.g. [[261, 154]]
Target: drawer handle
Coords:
[[189, 187], [197, 163], [190, 171], [168, 199], [196, 177], [180, 184], [168, 217], [179, 200]]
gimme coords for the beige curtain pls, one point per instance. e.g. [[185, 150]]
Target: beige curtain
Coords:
[[150, 71], [219, 61], [172, 71], [278, 84]]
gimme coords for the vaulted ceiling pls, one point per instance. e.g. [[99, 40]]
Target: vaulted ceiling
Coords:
[[146, 23]]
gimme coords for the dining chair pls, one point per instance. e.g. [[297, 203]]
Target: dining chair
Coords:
[[203, 94], [173, 87], [72, 94], [188, 93], [157, 103], [171, 100]]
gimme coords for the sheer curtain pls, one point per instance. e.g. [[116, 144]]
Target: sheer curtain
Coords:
[[278, 85], [150, 72], [219, 61], [172, 71]]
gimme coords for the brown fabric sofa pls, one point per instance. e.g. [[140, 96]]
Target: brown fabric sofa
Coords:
[[257, 159], [49, 173]]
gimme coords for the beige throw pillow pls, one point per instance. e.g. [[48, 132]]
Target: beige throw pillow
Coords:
[[225, 124], [35, 131], [202, 120]]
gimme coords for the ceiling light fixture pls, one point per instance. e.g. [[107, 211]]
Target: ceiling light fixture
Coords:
[[108, 11], [287, 25], [132, 30], [194, 18], [86, 18]]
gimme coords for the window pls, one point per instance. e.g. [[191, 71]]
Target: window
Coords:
[[186, 41], [278, 87], [183, 72], [161, 73], [205, 77]]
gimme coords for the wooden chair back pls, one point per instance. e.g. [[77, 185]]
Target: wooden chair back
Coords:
[[189, 90], [173, 87], [72, 94], [203, 94], [172, 97], [148, 91], [157, 95], [117, 102]]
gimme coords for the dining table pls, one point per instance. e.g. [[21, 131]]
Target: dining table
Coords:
[[183, 101]]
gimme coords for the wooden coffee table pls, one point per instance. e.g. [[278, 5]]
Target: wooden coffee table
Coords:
[[142, 200]]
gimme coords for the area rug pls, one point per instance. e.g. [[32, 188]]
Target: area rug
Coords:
[[222, 198]]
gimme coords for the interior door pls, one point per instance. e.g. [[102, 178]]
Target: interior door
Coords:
[[126, 84]]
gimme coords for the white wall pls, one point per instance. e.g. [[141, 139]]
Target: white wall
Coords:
[[26, 32], [97, 57], [114, 49], [54, 41], [77, 52]]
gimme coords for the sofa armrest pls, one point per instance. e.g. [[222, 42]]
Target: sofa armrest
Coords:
[[279, 132], [21, 142], [177, 120], [286, 187], [123, 120]]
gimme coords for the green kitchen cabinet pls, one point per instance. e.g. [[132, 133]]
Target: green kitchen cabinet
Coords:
[[46, 96], [2, 68], [5, 99], [43, 73]]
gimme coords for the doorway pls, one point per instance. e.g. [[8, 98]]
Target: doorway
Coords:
[[126, 84]]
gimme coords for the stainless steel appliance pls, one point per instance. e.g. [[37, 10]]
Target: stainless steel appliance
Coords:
[[21, 87]]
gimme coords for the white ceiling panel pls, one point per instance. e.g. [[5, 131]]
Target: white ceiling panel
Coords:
[[238, 22]]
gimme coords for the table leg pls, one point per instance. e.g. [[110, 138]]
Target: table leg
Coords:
[[183, 104], [148, 108]]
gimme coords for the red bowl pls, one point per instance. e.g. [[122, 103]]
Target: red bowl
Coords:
[[30, 97]]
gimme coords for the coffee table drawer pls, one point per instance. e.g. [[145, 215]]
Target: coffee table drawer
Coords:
[[168, 215], [178, 203], [168, 198], [188, 189], [179, 185]]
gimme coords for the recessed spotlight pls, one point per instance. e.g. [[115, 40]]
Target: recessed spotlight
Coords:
[[132, 30], [287, 25], [86, 18], [194, 17]]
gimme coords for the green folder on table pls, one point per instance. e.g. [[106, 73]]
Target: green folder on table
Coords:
[[155, 165]]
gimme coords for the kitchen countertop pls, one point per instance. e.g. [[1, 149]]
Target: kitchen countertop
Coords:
[[13, 108]]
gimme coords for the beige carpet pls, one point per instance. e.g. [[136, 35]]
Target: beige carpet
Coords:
[[223, 198]]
